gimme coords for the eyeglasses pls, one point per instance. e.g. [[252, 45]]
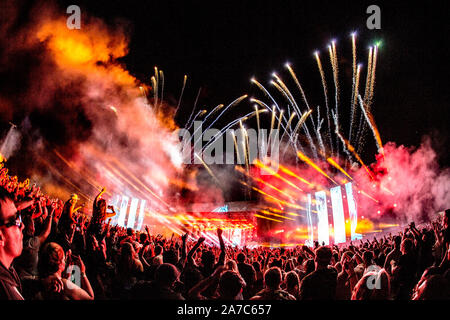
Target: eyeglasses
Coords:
[[15, 221]]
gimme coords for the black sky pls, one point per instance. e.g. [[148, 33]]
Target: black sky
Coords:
[[220, 45]]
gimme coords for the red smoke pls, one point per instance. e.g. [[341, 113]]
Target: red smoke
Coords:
[[419, 187], [406, 185]]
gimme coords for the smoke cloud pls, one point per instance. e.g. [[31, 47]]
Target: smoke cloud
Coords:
[[410, 179], [84, 120]]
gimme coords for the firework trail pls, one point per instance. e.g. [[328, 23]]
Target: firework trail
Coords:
[[257, 118], [297, 82], [368, 94], [353, 103], [285, 91], [353, 151], [181, 94], [354, 99], [325, 93], [193, 109], [369, 74], [335, 67], [304, 158], [272, 122], [236, 101], [272, 110], [372, 125], [266, 92], [279, 120], [156, 87], [349, 156], [236, 147], [229, 125], [337, 166], [319, 137], [354, 53], [244, 145], [208, 169], [300, 123], [372, 79], [199, 114], [311, 143], [233, 103], [206, 118], [288, 126], [257, 123], [161, 75]]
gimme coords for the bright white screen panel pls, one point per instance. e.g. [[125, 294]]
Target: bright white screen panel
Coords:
[[338, 215], [322, 214]]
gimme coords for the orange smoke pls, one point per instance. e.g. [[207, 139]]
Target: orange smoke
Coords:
[[85, 49]]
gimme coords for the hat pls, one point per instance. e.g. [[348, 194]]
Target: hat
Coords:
[[74, 196]]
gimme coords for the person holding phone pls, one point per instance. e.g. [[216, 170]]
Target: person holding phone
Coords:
[[55, 270]]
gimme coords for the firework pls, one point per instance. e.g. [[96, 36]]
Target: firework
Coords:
[[207, 168], [337, 166], [372, 125], [181, 94], [315, 166]]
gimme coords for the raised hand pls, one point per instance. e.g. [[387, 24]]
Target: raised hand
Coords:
[[78, 262]]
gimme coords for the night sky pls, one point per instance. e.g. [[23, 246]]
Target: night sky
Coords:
[[221, 45]]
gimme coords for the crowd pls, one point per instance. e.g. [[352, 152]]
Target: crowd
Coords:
[[50, 251]]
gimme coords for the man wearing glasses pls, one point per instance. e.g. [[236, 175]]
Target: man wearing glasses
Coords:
[[10, 247]]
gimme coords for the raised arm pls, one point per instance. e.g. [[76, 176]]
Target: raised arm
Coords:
[[415, 232], [307, 250], [98, 196], [266, 261], [183, 249], [75, 292], [358, 258], [192, 251], [349, 268], [24, 204], [437, 234], [47, 228], [222, 248], [148, 233], [37, 213], [112, 213]]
